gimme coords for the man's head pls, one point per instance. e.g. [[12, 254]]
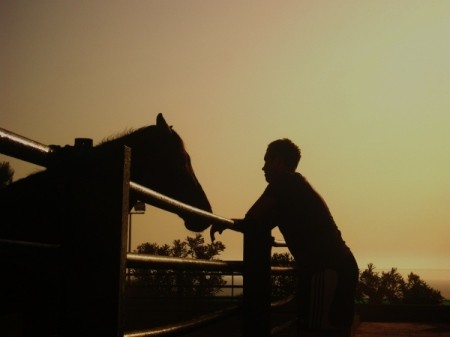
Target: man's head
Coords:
[[282, 156]]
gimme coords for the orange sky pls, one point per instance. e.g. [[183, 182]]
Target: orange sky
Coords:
[[361, 86]]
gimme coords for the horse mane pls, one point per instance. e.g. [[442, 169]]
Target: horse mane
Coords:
[[116, 136], [129, 135], [126, 137]]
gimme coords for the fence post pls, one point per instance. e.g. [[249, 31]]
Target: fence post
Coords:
[[94, 248], [257, 288]]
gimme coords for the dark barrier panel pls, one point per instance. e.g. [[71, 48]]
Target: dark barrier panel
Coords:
[[75, 286], [256, 301], [95, 250]]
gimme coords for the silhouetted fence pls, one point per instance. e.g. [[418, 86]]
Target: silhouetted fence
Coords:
[[256, 266], [93, 258]]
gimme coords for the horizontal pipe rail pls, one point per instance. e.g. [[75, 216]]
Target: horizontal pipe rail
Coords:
[[20, 147], [279, 243], [184, 327], [176, 206], [283, 302], [148, 261], [168, 262], [27, 244], [282, 270], [280, 328]]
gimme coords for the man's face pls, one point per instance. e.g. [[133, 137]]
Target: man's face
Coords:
[[273, 167]]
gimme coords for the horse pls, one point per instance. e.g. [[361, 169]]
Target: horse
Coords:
[[159, 161], [38, 209]]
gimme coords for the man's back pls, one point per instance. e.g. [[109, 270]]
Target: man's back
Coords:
[[306, 222]]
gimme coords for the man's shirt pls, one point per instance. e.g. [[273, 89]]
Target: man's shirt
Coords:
[[304, 219]]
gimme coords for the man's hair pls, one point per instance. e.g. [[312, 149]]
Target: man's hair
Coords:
[[285, 150]]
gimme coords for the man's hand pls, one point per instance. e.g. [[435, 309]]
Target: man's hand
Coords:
[[214, 229], [237, 225]]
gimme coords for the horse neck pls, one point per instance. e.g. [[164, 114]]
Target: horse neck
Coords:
[[135, 139]]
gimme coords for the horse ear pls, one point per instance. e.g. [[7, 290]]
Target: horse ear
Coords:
[[162, 124]]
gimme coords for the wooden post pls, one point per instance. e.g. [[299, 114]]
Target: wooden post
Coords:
[[257, 288], [94, 249]]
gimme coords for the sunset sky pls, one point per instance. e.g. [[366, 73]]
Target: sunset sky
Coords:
[[361, 86]]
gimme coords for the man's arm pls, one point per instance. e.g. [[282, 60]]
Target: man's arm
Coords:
[[261, 212]]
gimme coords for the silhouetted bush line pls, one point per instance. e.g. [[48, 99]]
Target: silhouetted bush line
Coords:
[[374, 287], [391, 288], [166, 283]]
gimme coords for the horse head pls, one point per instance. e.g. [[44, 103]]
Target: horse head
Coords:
[[159, 161]]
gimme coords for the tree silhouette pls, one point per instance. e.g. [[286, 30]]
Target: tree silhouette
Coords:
[[368, 289], [419, 292], [391, 288], [165, 283], [283, 285], [373, 288], [6, 174]]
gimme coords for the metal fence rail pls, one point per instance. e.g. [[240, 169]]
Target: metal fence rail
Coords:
[[173, 205], [16, 244], [168, 262], [23, 148], [185, 327], [255, 267]]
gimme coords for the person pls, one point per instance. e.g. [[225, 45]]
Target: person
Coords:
[[327, 270]]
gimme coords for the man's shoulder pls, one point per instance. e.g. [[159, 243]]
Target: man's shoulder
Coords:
[[296, 179], [289, 182]]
